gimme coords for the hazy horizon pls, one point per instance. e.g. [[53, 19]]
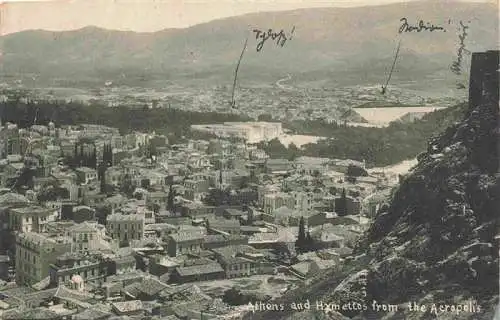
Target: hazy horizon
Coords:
[[152, 15]]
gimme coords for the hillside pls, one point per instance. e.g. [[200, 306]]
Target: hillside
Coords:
[[435, 243], [345, 45]]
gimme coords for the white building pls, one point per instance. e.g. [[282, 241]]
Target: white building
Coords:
[[125, 227], [251, 132]]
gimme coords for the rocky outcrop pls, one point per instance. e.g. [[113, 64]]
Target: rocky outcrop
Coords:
[[434, 244]]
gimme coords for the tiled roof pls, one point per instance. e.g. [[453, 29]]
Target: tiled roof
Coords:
[[91, 314], [127, 306], [199, 269], [187, 236], [36, 314], [151, 286]]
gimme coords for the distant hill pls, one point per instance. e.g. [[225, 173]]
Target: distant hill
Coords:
[[348, 45]]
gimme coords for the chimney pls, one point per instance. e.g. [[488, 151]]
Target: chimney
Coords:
[[483, 84]]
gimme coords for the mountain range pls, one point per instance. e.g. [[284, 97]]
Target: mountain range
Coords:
[[342, 45]]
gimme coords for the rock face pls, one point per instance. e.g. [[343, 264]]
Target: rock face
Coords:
[[434, 245]]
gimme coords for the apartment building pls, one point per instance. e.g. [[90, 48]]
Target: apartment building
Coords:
[[34, 254], [125, 227]]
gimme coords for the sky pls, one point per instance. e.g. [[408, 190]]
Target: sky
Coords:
[[147, 15]]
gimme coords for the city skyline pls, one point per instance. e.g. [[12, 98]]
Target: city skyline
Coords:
[[150, 15]]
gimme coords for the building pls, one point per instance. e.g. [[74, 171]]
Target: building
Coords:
[[31, 218], [34, 254], [125, 227], [235, 262], [212, 271], [353, 206], [91, 268], [251, 132], [224, 226], [184, 243], [277, 166], [87, 236], [273, 201], [85, 175]]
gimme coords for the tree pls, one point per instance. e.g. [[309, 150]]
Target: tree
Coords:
[[152, 152], [81, 157], [145, 184], [356, 171], [75, 160], [170, 198], [107, 155], [102, 176], [93, 159], [293, 152], [301, 238], [341, 205], [127, 186], [309, 242]]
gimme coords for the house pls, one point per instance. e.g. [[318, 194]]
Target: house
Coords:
[[30, 218], [224, 226], [234, 261], [92, 314], [149, 289], [156, 198], [232, 214], [91, 268], [353, 205], [277, 166], [128, 308], [305, 269], [85, 175], [184, 243], [273, 201], [213, 241], [122, 264], [86, 236], [197, 210], [125, 227], [204, 272]]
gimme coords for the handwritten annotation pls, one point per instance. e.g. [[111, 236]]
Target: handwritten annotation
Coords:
[[421, 26], [456, 66], [280, 37]]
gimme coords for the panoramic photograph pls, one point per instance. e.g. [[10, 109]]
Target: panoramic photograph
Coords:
[[249, 159]]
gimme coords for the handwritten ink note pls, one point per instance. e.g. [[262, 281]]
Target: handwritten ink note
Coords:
[[419, 27], [280, 37], [456, 66]]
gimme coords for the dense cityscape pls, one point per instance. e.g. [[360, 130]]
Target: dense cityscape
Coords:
[[124, 223], [350, 174]]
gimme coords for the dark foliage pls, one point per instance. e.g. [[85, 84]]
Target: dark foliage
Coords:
[[341, 205], [169, 121]]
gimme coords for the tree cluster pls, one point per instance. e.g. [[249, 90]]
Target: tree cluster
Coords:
[[83, 159], [107, 155], [304, 242], [341, 204]]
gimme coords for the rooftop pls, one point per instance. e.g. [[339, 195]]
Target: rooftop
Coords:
[[124, 217], [199, 269], [127, 306], [187, 236]]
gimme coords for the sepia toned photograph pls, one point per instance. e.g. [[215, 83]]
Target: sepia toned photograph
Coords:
[[249, 159]]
